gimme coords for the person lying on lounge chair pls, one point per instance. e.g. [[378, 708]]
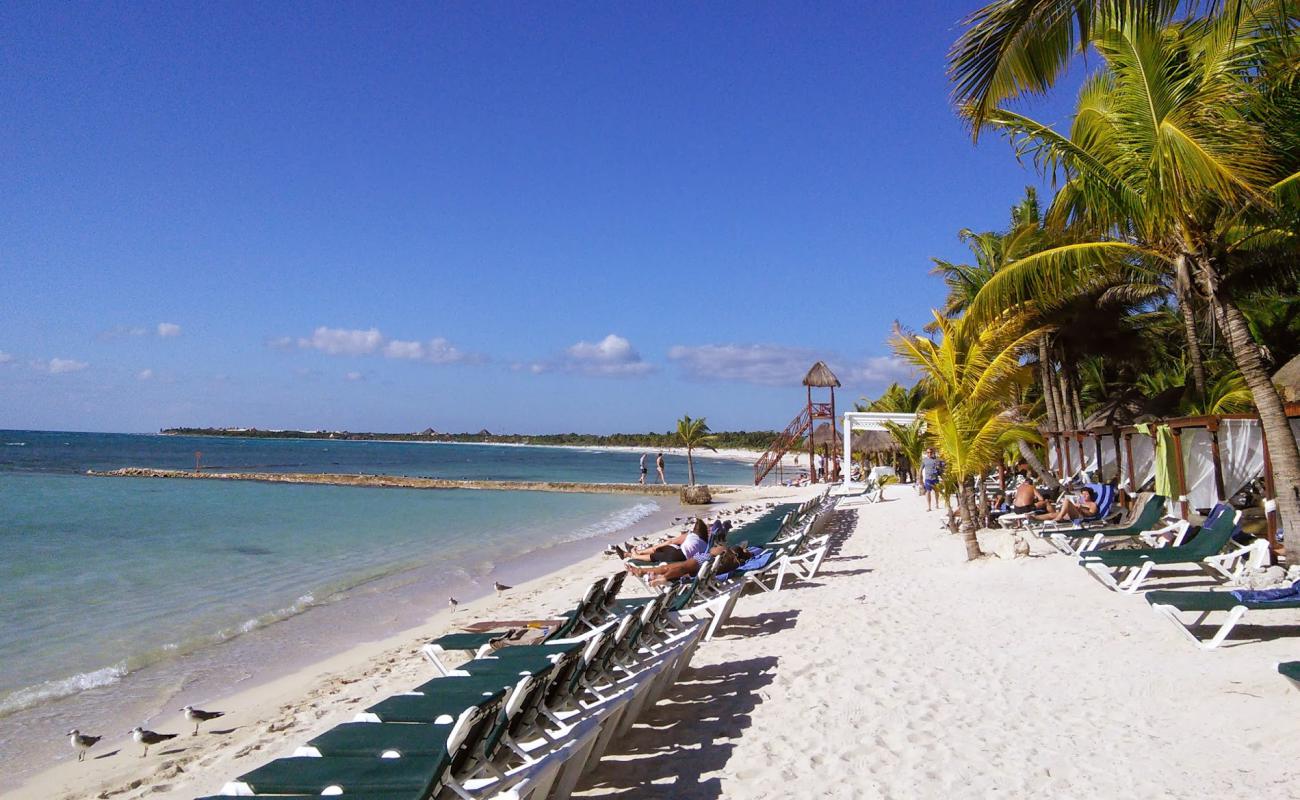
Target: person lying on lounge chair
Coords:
[[1086, 507], [732, 557], [682, 547]]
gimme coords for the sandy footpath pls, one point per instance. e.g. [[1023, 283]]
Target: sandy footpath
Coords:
[[904, 672], [271, 719]]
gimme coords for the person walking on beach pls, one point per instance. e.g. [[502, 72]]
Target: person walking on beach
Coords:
[[659, 467], [643, 455], [930, 478]]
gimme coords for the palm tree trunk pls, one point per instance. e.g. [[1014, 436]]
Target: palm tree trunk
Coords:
[[1076, 404], [690, 466], [1183, 285], [1031, 458], [1283, 454], [1045, 380], [968, 526], [1067, 414]]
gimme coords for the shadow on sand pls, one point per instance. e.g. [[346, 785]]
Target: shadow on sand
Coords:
[[707, 709]]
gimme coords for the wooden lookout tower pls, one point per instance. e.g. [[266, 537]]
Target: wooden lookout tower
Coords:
[[802, 426], [819, 377]]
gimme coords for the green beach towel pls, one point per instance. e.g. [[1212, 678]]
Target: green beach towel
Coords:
[[1166, 459]]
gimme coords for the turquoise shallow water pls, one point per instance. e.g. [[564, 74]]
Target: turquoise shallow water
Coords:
[[104, 577]]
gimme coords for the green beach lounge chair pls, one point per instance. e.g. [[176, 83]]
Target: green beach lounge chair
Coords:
[[591, 605], [1148, 523], [1169, 604], [1126, 570], [416, 776], [1290, 669]]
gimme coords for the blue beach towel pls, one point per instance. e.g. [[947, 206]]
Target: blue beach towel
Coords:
[[757, 560], [1286, 593]]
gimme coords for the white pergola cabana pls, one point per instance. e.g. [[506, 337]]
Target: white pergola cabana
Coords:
[[866, 421]]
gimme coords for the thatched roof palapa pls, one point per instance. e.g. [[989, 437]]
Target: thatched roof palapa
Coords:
[[821, 375], [827, 433], [1288, 380], [874, 442]]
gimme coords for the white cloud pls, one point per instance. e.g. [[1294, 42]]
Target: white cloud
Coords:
[[343, 342], [612, 356], [441, 351], [779, 365], [354, 342], [880, 369], [60, 366], [354, 376], [168, 330], [5, 358], [400, 349], [144, 375], [763, 364]]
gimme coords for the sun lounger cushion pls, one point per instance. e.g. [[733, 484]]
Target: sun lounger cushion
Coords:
[[376, 738], [1291, 669], [429, 708], [358, 776]]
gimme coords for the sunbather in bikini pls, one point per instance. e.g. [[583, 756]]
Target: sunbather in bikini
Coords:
[[682, 547], [1069, 510], [732, 557]]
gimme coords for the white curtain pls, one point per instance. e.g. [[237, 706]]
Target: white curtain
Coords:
[[1241, 450], [1109, 466], [1090, 458], [1144, 460], [1198, 467], [1053, 457]]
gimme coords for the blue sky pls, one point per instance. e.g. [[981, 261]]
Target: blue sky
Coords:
[[532, 218]]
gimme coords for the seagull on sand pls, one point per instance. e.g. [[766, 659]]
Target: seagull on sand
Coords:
[[198, 716], [452, 603], [148, 738], [500, 587], [81, 742]]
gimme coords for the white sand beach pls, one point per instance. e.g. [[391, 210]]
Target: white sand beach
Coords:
[[901, 671], [905, 672]]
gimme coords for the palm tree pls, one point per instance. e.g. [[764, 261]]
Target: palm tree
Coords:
[[911, 443], [1168, 150], [694, 433], [970, 373], [896, 399], [1013, 48]]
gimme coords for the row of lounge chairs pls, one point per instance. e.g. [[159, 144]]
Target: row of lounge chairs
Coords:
[[1211, 549], [519, 722], [526, 721]]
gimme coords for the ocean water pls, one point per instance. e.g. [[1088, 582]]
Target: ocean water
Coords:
[[117, 591]]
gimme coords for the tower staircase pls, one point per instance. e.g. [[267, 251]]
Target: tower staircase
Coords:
[[798, 428]]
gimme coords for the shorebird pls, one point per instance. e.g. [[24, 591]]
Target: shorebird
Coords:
[[81, 742], [500, 587], [452, 603], [198, 716], [147, 738]]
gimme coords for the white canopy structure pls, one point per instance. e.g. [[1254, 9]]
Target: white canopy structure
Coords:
[[866, 421]]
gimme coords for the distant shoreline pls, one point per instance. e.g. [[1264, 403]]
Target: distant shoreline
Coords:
[[752, 443], [720, 453]]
